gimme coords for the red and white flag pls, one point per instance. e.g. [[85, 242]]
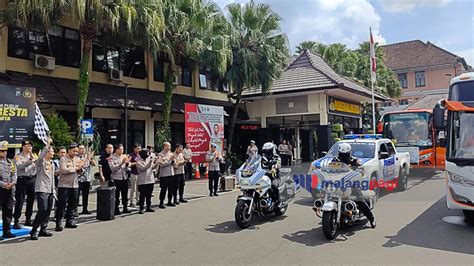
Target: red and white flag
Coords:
[[373, 63]]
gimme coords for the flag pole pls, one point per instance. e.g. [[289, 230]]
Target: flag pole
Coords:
[[373, 107]]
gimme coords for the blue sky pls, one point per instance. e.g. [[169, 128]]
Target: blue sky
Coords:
[[447, 23]]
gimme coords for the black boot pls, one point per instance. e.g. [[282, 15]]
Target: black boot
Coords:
[[149, 209], [183, 200], [59, 226], [373, 223], [34, 235], [142, 210], [16, 225], [170, 204], [45, 233], [117, 211], [126, 210], [71, 225], [162, 206], [28, 222]]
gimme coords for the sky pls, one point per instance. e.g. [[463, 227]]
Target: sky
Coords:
[[446, 23]]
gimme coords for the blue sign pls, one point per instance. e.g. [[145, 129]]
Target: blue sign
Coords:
[[86, 127]]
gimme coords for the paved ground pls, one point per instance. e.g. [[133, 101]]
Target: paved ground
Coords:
[[410, 230]]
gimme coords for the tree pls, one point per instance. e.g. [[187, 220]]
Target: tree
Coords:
[[259, 51], [194, 32], [135, 19], [33, 14], [305, 45]]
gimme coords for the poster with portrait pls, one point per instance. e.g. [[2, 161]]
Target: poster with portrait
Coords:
[[17, 114], [204, 124]]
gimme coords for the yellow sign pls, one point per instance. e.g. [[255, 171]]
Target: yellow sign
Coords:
[[337, 105]]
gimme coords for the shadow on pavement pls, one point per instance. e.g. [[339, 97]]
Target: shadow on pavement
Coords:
[[429, 231], [231, 227], [315, 237]]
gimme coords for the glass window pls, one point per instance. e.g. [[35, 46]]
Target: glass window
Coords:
[[359, 150], [131, 60], [391, 149], [186, 76], [462, 91], [402, 78], [274, 121], [403, 102], [461, 137], [408, 129], [420, 78], [159, 71], [65, 44]]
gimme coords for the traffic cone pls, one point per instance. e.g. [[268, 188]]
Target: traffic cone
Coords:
[[197, 175]]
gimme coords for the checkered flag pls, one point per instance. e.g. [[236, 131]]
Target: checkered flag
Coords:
[[41, 128]]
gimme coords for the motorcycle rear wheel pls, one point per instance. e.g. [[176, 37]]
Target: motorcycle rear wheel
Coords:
[[242, 216], [330, 225]]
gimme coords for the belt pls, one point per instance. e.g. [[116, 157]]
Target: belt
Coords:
[[27, 176]]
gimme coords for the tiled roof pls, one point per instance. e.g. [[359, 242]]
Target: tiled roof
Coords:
[[427, 101], [311, 72], [416, 54]]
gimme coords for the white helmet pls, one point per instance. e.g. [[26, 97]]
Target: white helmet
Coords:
[[268, 149], [344, 148]]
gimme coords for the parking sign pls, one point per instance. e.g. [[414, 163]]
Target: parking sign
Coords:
[[86, 128]]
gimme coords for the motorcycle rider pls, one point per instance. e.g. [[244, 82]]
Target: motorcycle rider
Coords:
[[345, 156], [271, 161]]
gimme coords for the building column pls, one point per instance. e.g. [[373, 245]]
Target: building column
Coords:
[[298, 148], [323, 109]]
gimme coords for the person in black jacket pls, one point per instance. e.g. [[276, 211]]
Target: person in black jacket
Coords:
[[104, 168]]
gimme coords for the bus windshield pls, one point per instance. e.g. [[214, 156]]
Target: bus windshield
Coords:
[[410, 129], [462, 138], [463, 91]]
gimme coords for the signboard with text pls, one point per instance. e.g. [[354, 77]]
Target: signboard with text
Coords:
[[341, 106], [204, 124], [17, 114]]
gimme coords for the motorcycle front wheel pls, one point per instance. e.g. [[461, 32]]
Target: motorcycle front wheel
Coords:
[[242, 216], [330, 225]]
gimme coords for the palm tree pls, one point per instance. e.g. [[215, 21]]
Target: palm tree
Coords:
[[259, 51], [131, 18], [305, 45], [33, 14], [193, 33]]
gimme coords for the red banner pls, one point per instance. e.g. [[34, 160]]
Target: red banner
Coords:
[[204, 124]]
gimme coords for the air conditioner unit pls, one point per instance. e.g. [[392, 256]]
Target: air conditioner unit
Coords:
[[45, 62], [175, 80], [116, 74]]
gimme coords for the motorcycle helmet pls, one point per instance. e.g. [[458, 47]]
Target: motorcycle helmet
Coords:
[[344, 150], [268, 149]]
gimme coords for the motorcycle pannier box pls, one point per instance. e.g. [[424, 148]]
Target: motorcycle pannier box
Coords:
[[105, 203], [227, 183]]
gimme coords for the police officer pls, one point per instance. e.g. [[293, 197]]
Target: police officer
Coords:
[[7, 182], [69, 169], [45, 192], [213, 158], [345, 156], [25, 188]]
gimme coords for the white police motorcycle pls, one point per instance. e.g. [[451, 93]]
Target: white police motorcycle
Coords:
[[255, 184], [336, 201]]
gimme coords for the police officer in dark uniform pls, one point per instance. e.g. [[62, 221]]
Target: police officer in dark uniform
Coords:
[[7, 182], [345, 156], [25, 187]]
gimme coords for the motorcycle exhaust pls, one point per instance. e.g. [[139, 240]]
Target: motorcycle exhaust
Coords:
[[265, 203], [318, 203], [350, 206]]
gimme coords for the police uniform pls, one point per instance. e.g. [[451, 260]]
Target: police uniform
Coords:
[[25, 187], [45, 190], [7, 176], [213, 159], [67, 191]]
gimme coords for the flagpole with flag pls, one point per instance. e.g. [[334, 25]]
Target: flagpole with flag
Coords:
[[373, 76], [41, 129]]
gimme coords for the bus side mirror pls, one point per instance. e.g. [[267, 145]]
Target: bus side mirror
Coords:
[[442, 143], [438, 117]]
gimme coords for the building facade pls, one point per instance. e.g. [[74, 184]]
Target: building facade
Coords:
[[422, 68], [27, 59], [302, 105]]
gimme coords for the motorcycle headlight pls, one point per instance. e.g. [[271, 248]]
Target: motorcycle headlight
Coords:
[[247, 173], [244, 182]]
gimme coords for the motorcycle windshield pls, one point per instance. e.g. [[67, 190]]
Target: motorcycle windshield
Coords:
[[251, 166]]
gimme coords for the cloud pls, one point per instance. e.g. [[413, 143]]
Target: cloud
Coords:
[[326, 21], [407, 5], [468, 55]]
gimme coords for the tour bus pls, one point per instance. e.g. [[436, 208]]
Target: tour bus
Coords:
[[460, 143], [412, 131]]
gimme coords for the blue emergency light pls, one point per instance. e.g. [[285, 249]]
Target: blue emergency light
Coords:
[[363, 136]]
